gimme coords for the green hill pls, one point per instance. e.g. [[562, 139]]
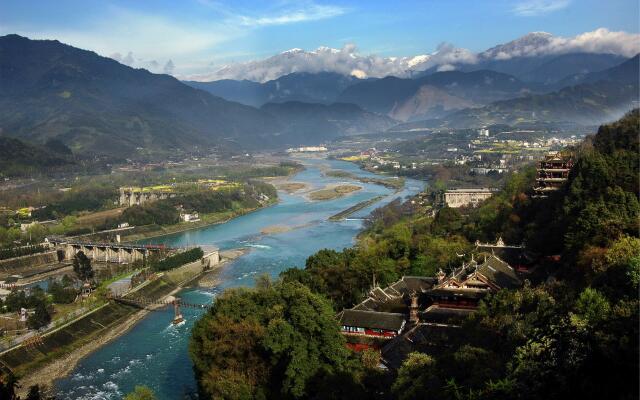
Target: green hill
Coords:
[[18, 158], [93, 103]]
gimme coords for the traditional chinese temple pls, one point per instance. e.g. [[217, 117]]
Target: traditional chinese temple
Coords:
[[413, 308], [552, 173]]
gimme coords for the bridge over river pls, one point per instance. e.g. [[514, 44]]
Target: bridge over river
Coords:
[[108, 252]]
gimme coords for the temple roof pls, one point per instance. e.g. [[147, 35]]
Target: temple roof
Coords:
[[394, 297], [445, 315], [372, 320], [500, 273]]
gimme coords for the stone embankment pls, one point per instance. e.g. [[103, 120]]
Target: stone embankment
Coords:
[[56, 353]]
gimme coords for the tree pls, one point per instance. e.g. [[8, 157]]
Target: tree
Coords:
[[417, 378], [141, 393], [370, 358], [60, 293], [591, 307], [268, 342], [40, 317], [82, 266]]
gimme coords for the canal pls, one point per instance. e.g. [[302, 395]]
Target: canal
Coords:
[[155, 353]]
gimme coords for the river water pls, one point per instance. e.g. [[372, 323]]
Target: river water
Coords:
[[155, 353]]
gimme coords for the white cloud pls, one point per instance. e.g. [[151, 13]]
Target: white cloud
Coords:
[[168, 67], [128, 60], [358, 73], [348, 61], [150, 37], [599, 41], [309, 12], [540, 43], [534, 8]]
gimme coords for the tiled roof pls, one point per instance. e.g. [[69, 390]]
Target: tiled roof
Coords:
[[393, 297], [499, 273], [437, 314], [372, 320]]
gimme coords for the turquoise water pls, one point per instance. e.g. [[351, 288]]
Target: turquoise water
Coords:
[[154, 353]]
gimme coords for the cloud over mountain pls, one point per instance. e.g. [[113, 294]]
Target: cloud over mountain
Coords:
[[542, 43], [348, 61], [345, 61]]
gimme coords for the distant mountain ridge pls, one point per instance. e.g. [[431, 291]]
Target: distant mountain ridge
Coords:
[[322, 122], [92, 103], [524, 57], [548, 70], [600, 97], [433, 95], [322, 87]]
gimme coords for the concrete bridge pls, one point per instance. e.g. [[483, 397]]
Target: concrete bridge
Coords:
[[106, 252]]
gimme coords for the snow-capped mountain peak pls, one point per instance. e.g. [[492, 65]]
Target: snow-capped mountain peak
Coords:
[[348, 61]]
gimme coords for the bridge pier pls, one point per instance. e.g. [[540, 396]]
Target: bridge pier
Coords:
[[106, 252]]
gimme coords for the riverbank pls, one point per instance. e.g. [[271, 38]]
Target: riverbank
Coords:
[[61, 367], [58, 352], [205, 221], [210, 279]]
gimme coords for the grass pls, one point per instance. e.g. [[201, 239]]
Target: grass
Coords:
[[392, 183], [291, 187], [97, 218], [333, 193], [117, 277]]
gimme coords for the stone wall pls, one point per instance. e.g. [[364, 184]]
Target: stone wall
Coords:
[[20, 265]]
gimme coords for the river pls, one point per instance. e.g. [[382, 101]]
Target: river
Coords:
[[155, 353]]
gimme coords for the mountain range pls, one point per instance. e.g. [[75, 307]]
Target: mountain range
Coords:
[[93, 104], [433, 95], [322, 87], [536, 56], [591, 99]]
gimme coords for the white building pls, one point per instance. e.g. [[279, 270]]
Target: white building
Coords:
[[190, 217], [456, 198], [307, 149]]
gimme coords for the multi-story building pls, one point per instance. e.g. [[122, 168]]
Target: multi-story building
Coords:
[[552, 173]]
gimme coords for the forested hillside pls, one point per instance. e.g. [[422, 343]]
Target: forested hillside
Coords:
[[93, 103], [570, 332], [18, 158]]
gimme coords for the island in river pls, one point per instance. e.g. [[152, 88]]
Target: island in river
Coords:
[[333, 192]]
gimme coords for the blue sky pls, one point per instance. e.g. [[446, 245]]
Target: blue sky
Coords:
[[198, 35]]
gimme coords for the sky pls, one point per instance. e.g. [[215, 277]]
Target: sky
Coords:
[[191, 37]]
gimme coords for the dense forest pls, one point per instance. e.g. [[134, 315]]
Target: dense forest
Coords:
[[19, 158], [570, 332]]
